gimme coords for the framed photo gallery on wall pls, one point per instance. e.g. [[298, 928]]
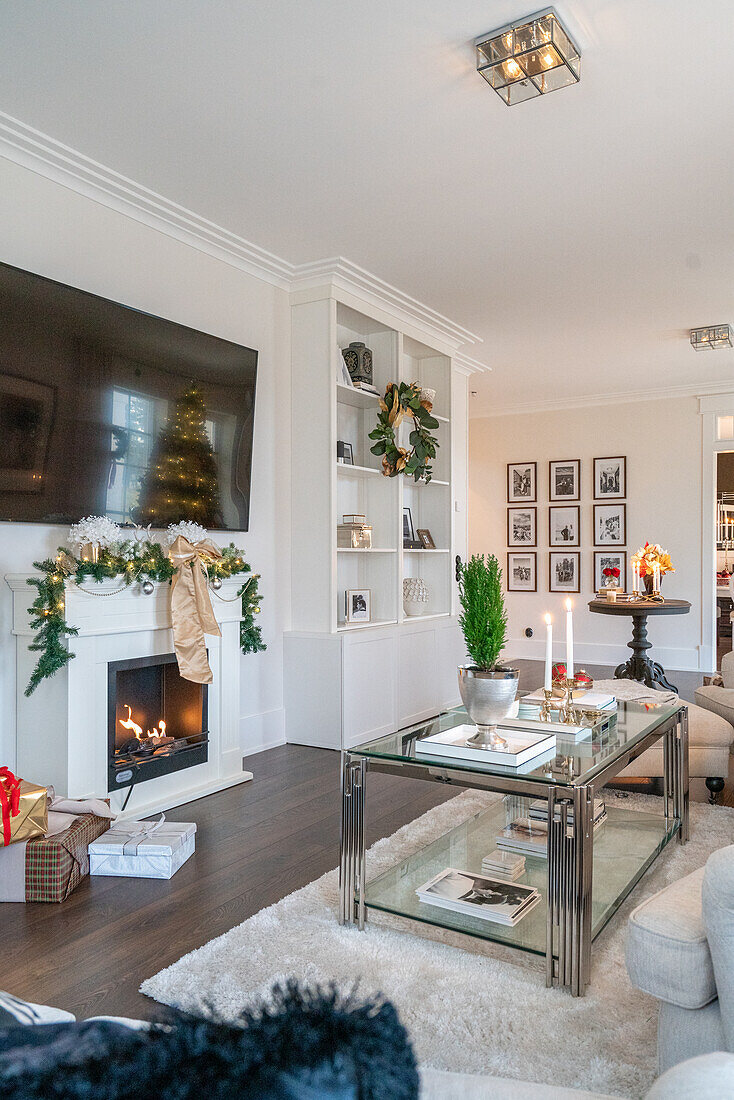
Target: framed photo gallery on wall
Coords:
[[564, 571], [522, 480], [610, 524], [522, 527], [610, 478], [522, 572], [564, 479]]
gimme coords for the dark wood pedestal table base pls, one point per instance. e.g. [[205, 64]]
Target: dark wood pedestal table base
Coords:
[[639, 666]]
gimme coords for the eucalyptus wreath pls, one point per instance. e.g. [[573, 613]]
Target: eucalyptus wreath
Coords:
[[401, 400]]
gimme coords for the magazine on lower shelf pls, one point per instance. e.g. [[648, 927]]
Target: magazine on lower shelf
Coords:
[[481, 896], [529, 835], [539, 811]]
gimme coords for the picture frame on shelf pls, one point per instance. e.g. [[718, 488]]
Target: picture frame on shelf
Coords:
[[346, 378], [522, 526], [426, 538], [610, 478], [564, 525], [358, 605], [344, 453], [522, 572], [564, 479], [610, 524], [522, 478], [564, 571], [609, 559], [410, 542]]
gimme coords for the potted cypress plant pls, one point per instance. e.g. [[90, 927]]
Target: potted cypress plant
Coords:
[[487, 688]]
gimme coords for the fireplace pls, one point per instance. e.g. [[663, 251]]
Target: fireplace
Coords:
[[157, 721]]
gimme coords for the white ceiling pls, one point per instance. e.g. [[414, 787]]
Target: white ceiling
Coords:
[[581, 234]]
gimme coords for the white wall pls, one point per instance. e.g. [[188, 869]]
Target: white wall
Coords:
[[53, 231], [662, 442]]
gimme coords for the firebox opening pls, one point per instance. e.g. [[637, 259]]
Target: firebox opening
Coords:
[[157, 720]]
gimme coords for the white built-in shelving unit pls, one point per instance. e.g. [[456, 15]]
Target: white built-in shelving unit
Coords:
[[346, 681]]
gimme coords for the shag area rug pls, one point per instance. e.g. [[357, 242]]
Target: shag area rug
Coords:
[[469, 1006]]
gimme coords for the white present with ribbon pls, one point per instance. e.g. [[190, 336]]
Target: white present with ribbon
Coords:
[[143, 849]]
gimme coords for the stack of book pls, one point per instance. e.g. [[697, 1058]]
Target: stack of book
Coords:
[[482, 896], [529, 835], [503, 865], [516, 746], [539, 811], [367, 387]]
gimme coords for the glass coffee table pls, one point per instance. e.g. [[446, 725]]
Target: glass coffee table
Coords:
[[587, 873]]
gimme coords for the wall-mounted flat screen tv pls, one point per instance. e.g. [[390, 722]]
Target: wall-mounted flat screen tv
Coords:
[[105, 410]]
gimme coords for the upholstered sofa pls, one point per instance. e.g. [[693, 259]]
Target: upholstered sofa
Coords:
[[710, 737], [718, 696], [680, 948]]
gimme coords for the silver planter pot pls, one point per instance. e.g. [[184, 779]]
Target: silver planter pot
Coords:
[[488, 698]]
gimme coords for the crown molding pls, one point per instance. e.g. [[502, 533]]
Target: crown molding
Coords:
[[465, 365], [42, 154], [595, 399], [343, 275]]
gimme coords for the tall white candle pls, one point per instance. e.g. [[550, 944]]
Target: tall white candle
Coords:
[[569, 639], [548, 682]]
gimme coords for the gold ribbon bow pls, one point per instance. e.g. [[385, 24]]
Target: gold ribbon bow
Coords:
[[191, 607]]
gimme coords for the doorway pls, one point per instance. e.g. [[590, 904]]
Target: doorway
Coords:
[[724, 552]]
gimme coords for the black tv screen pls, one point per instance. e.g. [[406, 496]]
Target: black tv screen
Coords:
[[105, 410]]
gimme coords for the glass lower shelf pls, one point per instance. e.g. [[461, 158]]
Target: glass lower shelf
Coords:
[[625, 845]]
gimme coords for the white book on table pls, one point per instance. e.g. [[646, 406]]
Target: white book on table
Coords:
[[590, 700], [523, 745]]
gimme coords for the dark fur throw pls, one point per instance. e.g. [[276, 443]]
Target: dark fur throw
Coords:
[[301, 1045]]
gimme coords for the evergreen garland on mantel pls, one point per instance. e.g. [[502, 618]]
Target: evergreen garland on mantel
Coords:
[[130, 562]]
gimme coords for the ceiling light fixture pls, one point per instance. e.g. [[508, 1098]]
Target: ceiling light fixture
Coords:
[[530, 57], [711, 337]]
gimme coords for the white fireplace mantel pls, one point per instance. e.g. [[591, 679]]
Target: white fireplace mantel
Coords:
[[62, 734]]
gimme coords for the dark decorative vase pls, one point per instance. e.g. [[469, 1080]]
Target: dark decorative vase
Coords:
[[358, 359], [648, 580]]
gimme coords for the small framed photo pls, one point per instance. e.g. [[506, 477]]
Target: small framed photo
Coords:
[[522, 572], [565, 571], [610, 569], [610, 478], [358, 605], [345, 377], [410, 542], [564, 525], [426, 538], [610, 524], [521, 527], [521, 482], [564, 479], [344, 453]]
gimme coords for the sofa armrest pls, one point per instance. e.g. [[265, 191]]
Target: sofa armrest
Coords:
[[708, 1077], [718, 920]]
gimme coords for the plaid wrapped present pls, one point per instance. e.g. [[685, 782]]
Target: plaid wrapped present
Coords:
[[54, 865]]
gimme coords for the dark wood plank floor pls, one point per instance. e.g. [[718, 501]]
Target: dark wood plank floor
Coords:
[[255, 843]]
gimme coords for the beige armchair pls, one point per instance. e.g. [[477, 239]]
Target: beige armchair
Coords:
[[718, 698]]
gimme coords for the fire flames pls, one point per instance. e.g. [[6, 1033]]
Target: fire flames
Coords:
[[157, 735]]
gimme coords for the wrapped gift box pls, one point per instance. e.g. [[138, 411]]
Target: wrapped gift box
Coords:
[[23, 809], [48, 868], [143, 849]]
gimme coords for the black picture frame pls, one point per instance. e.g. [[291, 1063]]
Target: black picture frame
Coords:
[[511, 497], [344, 453], [576, 508], [615, 507], [557, 478], [410, 542], [613, 553], [510, 585], [576, 555], [533, 541], [599, 474]]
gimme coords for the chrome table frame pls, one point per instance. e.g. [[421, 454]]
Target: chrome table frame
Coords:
[[570, 842]]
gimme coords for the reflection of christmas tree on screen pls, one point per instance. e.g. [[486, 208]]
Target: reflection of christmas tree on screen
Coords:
[[181, 482]]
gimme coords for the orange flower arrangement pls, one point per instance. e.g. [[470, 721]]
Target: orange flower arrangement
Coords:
[[648, 555]]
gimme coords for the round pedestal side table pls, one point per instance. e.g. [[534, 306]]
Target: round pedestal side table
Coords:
[[639, 666]]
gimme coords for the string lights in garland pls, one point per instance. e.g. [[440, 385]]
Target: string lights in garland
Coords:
[[130, 561]]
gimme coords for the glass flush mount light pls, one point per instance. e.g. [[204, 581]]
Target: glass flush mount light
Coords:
[[710, 337], [530, 57]]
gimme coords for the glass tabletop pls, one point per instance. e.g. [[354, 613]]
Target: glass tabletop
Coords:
[[573, 762]]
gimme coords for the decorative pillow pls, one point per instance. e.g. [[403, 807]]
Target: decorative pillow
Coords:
[[15, 1011], [301, 1045]]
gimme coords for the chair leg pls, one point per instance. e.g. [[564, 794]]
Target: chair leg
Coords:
[[715, 786]]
